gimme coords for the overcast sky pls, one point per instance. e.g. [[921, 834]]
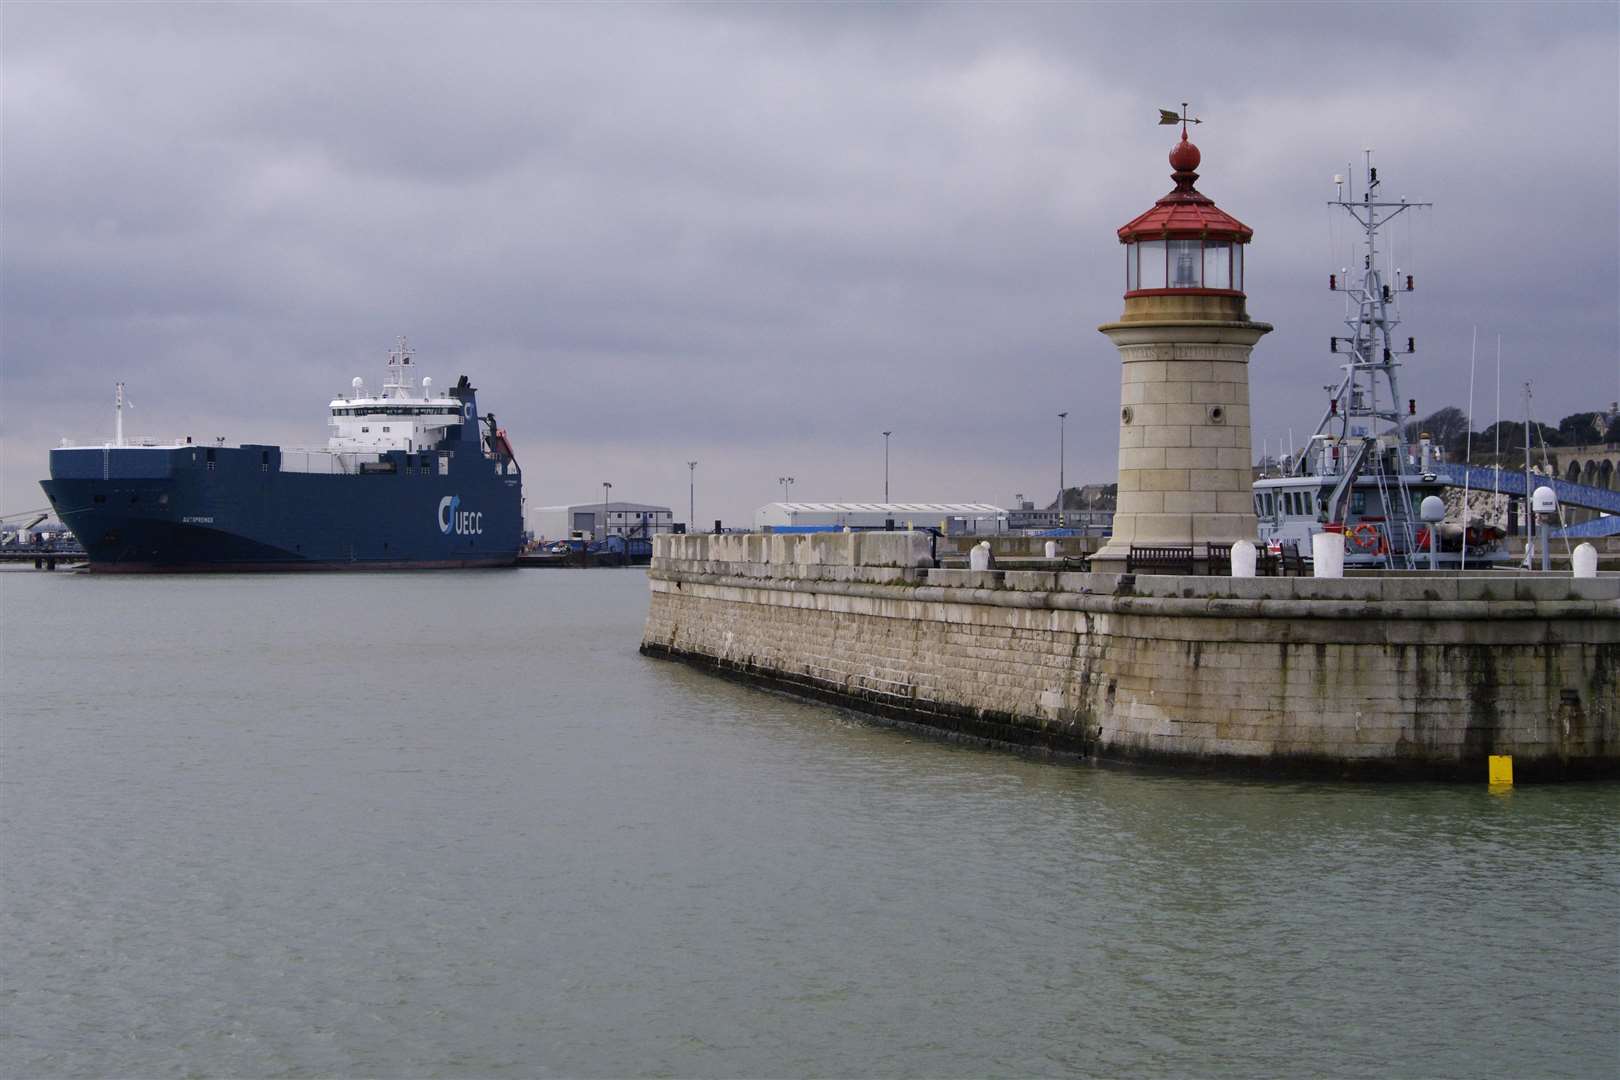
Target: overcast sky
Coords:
[[757, 236]]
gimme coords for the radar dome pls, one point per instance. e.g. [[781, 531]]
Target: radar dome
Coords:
[[427, 383], [357, 382]]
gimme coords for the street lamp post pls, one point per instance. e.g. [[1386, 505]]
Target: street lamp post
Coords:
[[786, 482], [691, 494], [606, 487], [1063, 418], [886, 435]]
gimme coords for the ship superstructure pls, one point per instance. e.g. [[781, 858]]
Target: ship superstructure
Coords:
[[409, 477], [1360, 473]]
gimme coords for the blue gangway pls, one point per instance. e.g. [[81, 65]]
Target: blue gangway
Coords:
[[1478, 478], [1603, 526]]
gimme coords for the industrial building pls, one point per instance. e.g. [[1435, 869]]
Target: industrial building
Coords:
[[953, 518], [621, 519]]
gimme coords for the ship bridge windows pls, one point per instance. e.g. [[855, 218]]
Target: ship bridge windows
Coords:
[[397, 410]]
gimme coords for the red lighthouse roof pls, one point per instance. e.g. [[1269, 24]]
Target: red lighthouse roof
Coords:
[[1185, 213]]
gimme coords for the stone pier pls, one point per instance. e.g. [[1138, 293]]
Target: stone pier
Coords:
[[1408, 675]]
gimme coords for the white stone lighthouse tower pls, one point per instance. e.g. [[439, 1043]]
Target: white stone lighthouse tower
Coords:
[[1184, 457]]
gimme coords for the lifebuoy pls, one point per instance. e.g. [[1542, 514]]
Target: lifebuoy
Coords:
[[1367, 538]]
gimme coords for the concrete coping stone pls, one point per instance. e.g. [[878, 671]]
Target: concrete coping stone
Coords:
[[860, 556]]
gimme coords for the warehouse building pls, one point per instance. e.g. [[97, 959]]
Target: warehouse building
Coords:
[[953, 518], [621, 519]]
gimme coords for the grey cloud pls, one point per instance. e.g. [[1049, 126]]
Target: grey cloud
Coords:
[[760, 233]]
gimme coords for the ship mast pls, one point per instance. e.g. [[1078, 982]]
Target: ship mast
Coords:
[[399, 378], [1358, 406]]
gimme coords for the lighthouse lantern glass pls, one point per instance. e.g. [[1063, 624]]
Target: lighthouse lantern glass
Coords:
[[1150, 271], [1217, 266], [1237, 267], [1184, 264]]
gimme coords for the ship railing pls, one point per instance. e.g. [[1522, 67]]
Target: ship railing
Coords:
[[130, 442], [329, 462]]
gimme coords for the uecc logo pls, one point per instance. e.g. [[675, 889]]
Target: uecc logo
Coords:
[[453, 519]]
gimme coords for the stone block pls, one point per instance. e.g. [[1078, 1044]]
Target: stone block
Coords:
[[1215, 435], [1234, 502], [1199, 502], [1494, 587], [1337, 588], [1162, 528], [1416, 588], [1147, 414], [1191, 413], [1141, 502], [1223, 528], [1185, 457], [1169, 435], [1141, 371], [1029, 580], [1598, 588], [1141, 457], [1214, 479], [1192, 371], [1164, 479], [1542, 588]]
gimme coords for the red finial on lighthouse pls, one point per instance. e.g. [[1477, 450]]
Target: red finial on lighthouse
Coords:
[[1184, 159]]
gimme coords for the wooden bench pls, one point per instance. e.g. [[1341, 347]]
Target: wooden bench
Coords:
[[1159, 560]]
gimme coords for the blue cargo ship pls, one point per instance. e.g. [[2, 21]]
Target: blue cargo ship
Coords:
[[409, 478]]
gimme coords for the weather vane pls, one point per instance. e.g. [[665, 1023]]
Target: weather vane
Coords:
[[1168, 117]]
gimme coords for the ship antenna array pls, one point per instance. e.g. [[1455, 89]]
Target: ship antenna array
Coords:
[[120, 403], [1371, 315]]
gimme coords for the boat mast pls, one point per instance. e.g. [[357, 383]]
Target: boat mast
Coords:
[[118, 415]]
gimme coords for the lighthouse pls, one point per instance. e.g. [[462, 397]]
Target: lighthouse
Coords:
[[1185, 469]]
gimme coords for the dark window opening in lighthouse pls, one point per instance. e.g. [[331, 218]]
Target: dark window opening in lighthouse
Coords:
[[1184, 264]]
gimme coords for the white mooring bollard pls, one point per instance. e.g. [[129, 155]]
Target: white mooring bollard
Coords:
[[1244, 556], [1051, 549], [1327, 554], [1584, 560], [979, 556]]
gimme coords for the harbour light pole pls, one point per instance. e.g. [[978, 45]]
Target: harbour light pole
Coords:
[[691, 494], [786, 482], [1063, 419], [886, 435], [606, 487]]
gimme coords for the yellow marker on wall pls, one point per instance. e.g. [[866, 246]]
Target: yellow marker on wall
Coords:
[[1501, 770]]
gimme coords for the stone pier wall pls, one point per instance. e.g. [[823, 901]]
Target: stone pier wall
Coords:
[[1401, 675]]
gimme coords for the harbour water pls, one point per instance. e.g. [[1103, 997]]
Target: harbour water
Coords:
[[452, 824]]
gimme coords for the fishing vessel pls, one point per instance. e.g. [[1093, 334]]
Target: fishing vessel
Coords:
[[1361, 473], [410, 477]]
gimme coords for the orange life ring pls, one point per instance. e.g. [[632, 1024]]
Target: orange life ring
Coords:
[[1366, 537]]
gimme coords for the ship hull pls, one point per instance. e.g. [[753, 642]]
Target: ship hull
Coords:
[[190, 509]]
